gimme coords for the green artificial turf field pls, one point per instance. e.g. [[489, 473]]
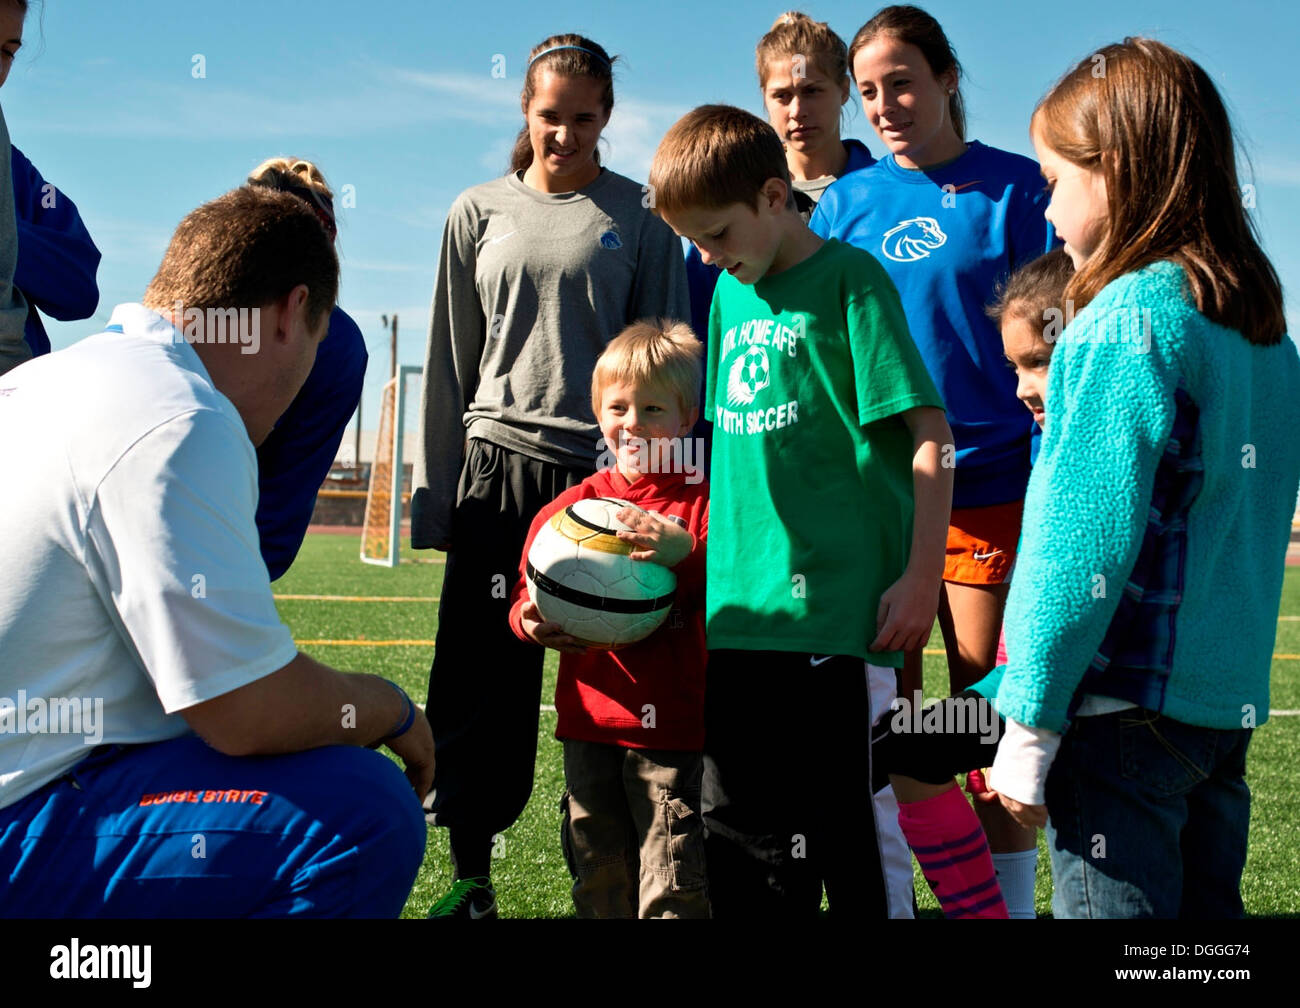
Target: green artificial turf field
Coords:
[[335, 620]]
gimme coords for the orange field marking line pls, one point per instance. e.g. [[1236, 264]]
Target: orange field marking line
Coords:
[[550, 709], [428, 643], [356, 598], [325, 642], [435, 598], [364, 643]]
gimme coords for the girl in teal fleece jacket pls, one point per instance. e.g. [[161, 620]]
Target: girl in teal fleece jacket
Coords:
[[1142, 617]]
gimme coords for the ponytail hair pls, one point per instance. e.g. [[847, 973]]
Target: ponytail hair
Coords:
[[567, 55], [913, 26], [1154, 125], [304, 180], [796, 34]]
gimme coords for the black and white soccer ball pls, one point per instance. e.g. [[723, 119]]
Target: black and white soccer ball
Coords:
[[580, 575]]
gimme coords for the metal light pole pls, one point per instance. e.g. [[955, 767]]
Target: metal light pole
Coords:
[[392, 371]]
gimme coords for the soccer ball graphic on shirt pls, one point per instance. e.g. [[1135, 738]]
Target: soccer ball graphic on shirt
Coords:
[[749, 375], [581, 576]]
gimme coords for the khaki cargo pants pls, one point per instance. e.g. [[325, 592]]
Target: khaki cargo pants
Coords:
[[632, 833]]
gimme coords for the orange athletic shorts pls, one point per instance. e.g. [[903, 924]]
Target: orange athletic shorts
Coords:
[[982, 543]]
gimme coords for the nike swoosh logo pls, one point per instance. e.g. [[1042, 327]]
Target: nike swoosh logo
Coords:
[[966, 185], [814, 662], [984, 556], [501, 238]]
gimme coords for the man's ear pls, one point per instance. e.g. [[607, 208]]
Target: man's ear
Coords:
[[291, 309]]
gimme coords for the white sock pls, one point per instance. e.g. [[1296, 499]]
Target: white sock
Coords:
[[895, 856], [1016, 873]]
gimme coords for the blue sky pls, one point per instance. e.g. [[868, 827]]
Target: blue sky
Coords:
[[399, 101]]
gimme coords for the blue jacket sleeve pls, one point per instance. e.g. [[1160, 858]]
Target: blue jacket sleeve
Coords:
[[57, 259], [295, 459]]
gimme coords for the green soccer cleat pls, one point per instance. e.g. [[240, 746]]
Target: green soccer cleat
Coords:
[[469, 899]]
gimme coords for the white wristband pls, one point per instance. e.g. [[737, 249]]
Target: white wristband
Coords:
[[1024, 756]]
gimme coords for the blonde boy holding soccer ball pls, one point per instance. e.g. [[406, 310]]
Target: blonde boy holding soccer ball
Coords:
[[632, 720]]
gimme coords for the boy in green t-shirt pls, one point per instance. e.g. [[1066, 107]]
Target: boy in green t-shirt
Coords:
[[830, 501]]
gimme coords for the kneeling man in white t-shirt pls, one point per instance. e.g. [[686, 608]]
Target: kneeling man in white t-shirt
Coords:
[[165, 750]]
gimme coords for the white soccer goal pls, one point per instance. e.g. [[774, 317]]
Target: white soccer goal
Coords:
[[381, 534]]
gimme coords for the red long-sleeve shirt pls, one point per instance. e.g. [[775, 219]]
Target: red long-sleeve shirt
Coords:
[[648, 695]]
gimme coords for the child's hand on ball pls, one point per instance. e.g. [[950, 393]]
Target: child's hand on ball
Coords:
[[549, 635], [660, 539]]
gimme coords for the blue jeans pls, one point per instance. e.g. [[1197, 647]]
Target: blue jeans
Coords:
[[176, 829], [1148, 818]]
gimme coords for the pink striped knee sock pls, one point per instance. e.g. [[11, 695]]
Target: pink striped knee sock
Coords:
[[949, 845]]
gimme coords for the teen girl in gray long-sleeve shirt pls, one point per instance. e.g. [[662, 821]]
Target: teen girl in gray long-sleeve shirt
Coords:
[[538, 271], [531, 286]]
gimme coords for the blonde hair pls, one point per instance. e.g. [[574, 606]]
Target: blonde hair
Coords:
[[714, 156], [661, 352], [304, 180], [278, 172], [796, 34]]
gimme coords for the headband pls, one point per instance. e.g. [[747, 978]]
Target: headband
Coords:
[[559, 47]]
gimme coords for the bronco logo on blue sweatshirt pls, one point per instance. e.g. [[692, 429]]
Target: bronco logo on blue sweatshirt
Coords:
[[913, 239]]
